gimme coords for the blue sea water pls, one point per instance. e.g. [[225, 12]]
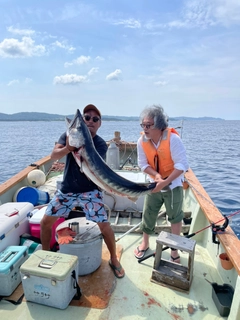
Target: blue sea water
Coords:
[[213, 149]]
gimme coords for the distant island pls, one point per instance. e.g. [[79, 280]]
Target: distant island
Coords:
[[41, 116]]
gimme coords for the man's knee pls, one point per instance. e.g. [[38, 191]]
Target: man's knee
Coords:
[[104, 227], [48, 221]]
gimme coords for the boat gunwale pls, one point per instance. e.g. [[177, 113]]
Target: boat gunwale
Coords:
[[21, 175], [228, 239]]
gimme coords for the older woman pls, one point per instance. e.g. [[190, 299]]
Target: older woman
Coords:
[[161, 154]]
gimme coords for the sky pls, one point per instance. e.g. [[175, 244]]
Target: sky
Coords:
[[57, 56]]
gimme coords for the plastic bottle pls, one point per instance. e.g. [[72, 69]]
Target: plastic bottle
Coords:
[[112, 158]]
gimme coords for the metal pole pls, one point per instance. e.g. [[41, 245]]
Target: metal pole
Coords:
[[130, 230]]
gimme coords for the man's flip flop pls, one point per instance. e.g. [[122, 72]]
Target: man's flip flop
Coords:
[[142, 251], [114, 268]]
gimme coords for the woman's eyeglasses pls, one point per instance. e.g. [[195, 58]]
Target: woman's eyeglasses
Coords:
[[147, 126], [88, 118]]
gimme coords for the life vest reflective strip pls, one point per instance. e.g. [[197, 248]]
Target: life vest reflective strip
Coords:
[[160, 159]]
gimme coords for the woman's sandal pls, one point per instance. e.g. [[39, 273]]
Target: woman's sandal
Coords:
[[176, 259], [142, 253]]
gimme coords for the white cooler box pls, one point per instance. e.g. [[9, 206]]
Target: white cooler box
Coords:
[[10, 261], [50, 278], [13, 222]]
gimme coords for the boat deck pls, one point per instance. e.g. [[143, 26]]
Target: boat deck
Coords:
[[135, 296]]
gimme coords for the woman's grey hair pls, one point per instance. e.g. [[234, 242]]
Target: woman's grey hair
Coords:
[[155, 112]]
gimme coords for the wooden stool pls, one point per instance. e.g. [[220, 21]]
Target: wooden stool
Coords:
[[165, 272]]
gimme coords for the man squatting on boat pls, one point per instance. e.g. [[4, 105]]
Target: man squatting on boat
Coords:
[[78, 190], [162, 155]]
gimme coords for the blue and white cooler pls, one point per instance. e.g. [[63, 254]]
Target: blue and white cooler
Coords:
[[14, 222], [50, 278], [10, 261]]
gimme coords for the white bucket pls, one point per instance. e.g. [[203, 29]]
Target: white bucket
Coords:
[[89, 254], [87, 245]]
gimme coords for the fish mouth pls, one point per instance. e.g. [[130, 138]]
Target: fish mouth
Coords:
[[76, 121], [74, 130]]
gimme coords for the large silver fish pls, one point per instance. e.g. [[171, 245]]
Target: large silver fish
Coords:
[[94, 167]]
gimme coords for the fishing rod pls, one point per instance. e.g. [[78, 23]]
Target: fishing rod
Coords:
[[215, 230], [128, 158]]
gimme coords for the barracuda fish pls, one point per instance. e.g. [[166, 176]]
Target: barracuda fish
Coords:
[[94, 167]]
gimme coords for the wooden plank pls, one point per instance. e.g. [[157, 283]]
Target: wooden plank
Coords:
[[172, 274], [176, 242], [170, 286]]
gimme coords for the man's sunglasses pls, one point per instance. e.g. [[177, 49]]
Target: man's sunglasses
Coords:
[[88, 118]]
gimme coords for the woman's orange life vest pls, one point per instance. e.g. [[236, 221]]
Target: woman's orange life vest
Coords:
[[160, 159]]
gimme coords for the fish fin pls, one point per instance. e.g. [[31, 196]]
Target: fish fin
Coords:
[[133, 199], [73, 123], [68, 123], [152, 185], [78, 158]]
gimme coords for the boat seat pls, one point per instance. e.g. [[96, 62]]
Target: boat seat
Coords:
[[168, 273]]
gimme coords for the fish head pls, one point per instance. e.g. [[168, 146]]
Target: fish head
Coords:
[[77, 131]]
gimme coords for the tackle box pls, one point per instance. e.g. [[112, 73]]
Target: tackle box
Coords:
[[13, 222], [10, 261], [50, 278]]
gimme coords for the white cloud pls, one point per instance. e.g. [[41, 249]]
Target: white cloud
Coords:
[[21, 32], [93, 71], [205, 13], [63, 46], [202, 14], [16, 81], [227, 11], [80, 60], [116, 75], [13, 48], [11, 83], [69, 79], [28, 80], [67, 64], [199, 13], [128, 23], [196, 13], [98, 58]]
